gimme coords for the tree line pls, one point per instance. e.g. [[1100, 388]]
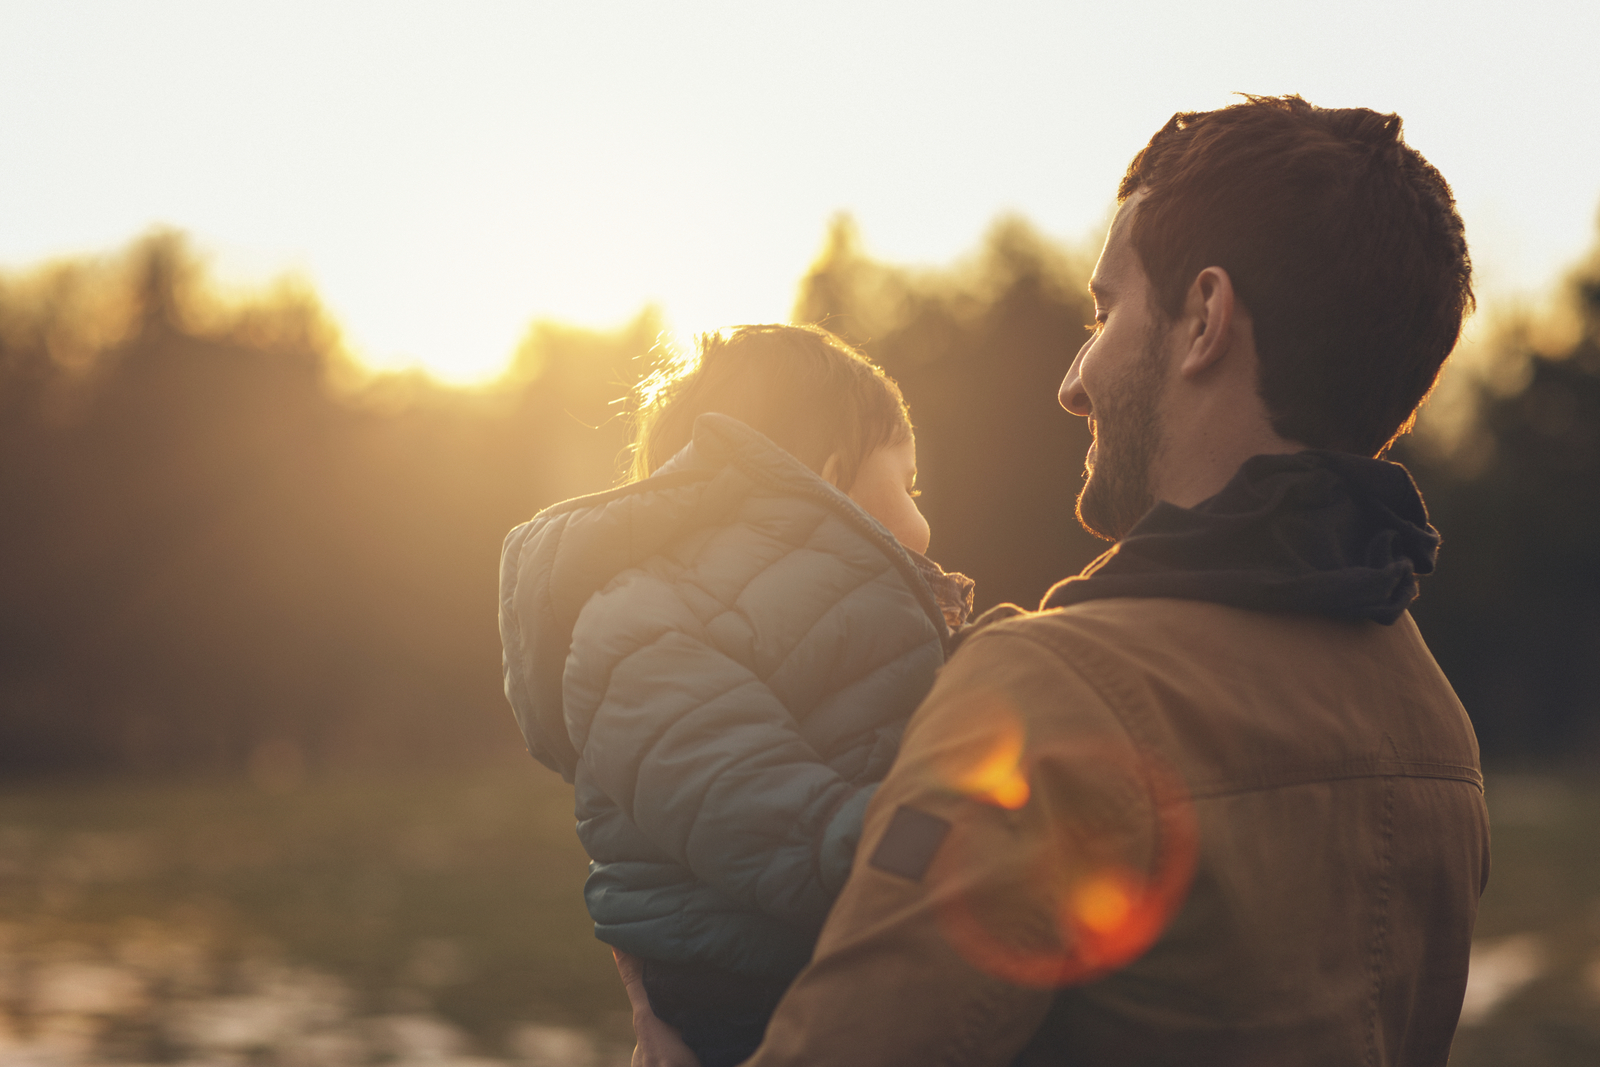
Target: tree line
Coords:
[[222, 541]]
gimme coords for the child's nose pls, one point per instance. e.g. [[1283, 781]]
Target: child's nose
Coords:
[[921, 534]]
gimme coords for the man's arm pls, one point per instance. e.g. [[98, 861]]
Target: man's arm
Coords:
[[946, 943]]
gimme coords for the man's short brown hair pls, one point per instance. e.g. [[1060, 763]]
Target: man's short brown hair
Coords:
[[1342, 242]]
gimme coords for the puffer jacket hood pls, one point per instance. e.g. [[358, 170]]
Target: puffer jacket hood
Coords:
[[720, 657], [551, 565]]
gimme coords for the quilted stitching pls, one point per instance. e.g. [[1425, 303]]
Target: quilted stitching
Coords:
[[795, 601]]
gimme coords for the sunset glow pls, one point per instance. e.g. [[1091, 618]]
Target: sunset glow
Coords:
[[443, 175]]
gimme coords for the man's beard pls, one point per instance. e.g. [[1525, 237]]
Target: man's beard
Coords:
[[1127, 433]]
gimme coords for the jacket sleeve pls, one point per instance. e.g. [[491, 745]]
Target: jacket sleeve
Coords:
[[898, 977], [705, 759]]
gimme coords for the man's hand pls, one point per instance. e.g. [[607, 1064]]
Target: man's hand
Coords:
[[656, 1043]]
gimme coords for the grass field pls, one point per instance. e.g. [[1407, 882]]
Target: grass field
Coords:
[[340, 922], [440, 920], [1534, 996]]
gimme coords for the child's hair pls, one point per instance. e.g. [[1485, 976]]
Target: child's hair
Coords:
[[801, 386]]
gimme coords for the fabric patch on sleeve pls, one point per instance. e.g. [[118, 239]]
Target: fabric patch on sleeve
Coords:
[[909, 844]]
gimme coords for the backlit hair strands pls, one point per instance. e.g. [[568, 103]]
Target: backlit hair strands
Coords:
[[802, 387]]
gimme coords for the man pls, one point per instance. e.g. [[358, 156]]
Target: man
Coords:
[[1215, 804]]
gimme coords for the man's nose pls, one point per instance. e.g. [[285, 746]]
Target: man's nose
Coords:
[[1072, 396]]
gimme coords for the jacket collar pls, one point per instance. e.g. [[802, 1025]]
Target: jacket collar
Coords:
[[1317, 532]]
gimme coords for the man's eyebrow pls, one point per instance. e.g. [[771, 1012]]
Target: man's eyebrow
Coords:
[[1101, 292]]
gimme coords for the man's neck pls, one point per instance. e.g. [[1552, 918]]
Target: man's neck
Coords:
[[1203, 452], [1212, 415]]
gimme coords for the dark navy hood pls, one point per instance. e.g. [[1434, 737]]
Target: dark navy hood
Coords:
[[1324, 533]]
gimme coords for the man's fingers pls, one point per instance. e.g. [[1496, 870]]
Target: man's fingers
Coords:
[[629, 966], [659, 1045]]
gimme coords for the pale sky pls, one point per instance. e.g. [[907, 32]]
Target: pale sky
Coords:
[[444, 173]]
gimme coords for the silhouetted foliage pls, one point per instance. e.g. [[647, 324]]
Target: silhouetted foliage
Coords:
[[221, 541], [210, 548], [980, 352], [1514, 612]]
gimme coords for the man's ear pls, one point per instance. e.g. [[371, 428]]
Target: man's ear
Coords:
[[1208, 321]]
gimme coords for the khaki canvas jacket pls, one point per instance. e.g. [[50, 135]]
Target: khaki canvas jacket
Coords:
[[1341, 845]]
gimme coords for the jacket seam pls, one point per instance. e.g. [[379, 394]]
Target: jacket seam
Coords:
[[905, 653], [1139, 739], [976, 1013], [818, 839], [535, 692], [1343, 770], [654, 483], [1216, 790], [547, 607], [546, 601], [694, 818], [841, 505], [1118, 708], [655, 736], [865, 671], [698, 562], [1380, 934]]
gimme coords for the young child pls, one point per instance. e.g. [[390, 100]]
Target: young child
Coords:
[[721, 656]]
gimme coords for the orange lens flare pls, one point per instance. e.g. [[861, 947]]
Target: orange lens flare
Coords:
[[997, 777], [1102, 903], [1108, 866]]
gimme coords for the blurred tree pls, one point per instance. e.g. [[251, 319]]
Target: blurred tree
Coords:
[[221, 539], [980, 351], [211, 549], [1514, 611]]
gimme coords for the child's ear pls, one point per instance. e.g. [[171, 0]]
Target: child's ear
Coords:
[[830, 471]]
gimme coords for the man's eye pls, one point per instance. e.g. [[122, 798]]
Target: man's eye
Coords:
[[914, 493], [1096, 326]]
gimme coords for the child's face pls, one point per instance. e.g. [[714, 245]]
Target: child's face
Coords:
[[885, 487]]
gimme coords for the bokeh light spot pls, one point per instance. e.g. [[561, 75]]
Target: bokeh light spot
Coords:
[[1089, 870], [1102, 902], [997, 777]]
